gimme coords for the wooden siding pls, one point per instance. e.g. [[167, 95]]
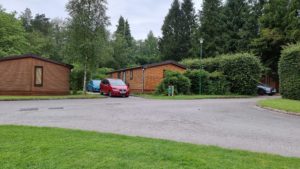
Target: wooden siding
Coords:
[[155, 75], [17, 78], [152, 77]]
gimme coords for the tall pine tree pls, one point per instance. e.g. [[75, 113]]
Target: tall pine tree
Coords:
[[237, 34], [188, 28], [211, 27], [170, 43], [123, 29]]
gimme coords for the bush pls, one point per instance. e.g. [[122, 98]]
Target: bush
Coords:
[[76, 80], [181, 83], [194, 76], [218, 85], [101, 73], [242, 71], [289, 72], [208, 64], [191, 63]]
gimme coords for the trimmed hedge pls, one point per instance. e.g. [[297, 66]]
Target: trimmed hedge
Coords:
[[218, 85], [181, 83], [289, 72], [194, 76], [242, 70]]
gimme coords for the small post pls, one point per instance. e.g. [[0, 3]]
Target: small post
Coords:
[[201, 53]]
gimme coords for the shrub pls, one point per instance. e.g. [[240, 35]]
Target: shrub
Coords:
[[76, 79], [191, 63], [243, 71], [101, 73], [181, 83], [194, 76], [218, 85], [289, 72], [208, 64], [211, 64]]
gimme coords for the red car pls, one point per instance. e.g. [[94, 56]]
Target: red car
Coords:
[[114, 87]]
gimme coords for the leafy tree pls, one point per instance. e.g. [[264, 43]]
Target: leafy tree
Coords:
[[272, 35], [170, 43], [86, 30], [12, 35], [211, 27], [292, 21]]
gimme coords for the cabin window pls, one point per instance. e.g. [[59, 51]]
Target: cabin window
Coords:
[[119, 75], [131, 74], [38, 76]]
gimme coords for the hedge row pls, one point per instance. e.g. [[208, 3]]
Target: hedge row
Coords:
[[242, 70], [211, 83], [189, 83], [289, 72]]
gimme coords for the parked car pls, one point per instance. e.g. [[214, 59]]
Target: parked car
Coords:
[[263, 89], [114, 87], [93, 86]]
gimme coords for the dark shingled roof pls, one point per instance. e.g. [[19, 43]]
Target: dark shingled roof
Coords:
[[150, 65], [35, 57]]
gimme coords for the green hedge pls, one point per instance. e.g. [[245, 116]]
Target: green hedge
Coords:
[[289, 72], [242, 70], [194, 76], [218, 85], [181, 83]]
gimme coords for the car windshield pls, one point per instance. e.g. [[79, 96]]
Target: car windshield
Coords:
[[97, 82], [265, 85], [117, 83]]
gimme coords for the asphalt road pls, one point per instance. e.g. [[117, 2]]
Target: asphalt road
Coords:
[[229, 123]]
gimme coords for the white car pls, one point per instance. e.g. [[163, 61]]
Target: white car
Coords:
[[263, 89]]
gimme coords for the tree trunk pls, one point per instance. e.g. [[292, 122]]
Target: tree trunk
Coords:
[[85, 74]]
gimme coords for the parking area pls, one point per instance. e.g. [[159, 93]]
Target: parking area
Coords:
[[229, 123]]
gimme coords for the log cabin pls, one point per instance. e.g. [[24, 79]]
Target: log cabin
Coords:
[[145, 78], [33, 75]]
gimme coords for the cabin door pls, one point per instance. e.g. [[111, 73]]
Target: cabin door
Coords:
[[124, 77]]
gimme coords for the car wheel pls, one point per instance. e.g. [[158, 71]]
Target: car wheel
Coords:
[[261, 92], [109, 94]]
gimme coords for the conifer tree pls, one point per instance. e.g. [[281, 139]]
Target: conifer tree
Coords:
[[188, 28], [211, 27], [170, 43]]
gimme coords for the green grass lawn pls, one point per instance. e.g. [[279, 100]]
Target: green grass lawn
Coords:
[[281, 104], [82, 96], [190, 97], [30, 147]]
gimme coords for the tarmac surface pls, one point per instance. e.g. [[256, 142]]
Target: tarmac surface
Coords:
[[228, 123]]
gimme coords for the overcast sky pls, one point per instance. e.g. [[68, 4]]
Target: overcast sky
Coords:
[[143, 15]]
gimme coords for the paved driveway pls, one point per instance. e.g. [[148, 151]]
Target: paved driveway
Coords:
[[230, 123]]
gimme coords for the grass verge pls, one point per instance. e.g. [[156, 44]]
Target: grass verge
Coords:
[[281, 104], [19, 98], [190, 97], [31, 147]]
